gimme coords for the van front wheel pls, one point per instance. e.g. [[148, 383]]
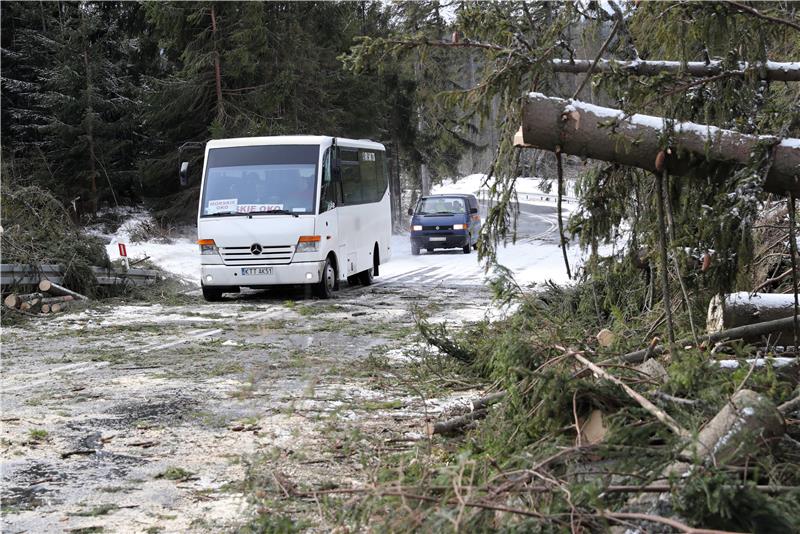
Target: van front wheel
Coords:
[[324, 288]]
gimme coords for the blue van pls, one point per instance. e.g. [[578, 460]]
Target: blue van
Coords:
[[445, 221]]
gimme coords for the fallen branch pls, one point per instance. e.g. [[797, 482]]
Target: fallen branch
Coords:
[[654, 410], [757, 329], [456, 424], [664, 521]]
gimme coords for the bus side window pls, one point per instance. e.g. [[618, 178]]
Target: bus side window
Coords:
[[352, 192]]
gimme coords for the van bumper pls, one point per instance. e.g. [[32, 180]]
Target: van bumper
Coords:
[[307, 272], [423, 240]]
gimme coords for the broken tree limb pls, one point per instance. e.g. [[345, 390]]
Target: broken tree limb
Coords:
[[51, 287], [741, 309], [758, 329], [790, 406], [654, 410], [771, 70], [488, 400], [456, 424], [607, 134]]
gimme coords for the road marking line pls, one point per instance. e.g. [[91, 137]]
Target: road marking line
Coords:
[[181, 341]]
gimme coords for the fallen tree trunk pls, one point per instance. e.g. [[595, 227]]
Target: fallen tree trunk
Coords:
[[741, 309], [758, 329], [586, 130], [771, 70], [737, 431], [51, 287]]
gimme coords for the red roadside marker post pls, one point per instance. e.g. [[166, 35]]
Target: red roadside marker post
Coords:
[[123, 252]]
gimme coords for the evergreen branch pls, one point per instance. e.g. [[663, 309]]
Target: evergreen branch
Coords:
[[742, 8], [596, 59], [466, 43]]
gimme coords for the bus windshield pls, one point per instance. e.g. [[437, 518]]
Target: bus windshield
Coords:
[[274, 179]]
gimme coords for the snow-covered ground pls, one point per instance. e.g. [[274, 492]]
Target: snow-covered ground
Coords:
[[533, 260]]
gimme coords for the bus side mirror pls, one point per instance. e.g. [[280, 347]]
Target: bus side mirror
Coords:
[[410, 211], [184, 173]]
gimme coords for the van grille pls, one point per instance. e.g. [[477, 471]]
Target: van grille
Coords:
[[270, 255], [439, 227]]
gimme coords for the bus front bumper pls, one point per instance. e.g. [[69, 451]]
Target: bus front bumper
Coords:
[[250, 276]]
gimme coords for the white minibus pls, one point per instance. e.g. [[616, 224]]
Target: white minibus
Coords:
[[292, 210]]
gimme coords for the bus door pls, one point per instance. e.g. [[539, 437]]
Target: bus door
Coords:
[[330, 199]]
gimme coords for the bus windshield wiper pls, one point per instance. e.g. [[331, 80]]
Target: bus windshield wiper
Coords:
[[222, 214], [274, 212]]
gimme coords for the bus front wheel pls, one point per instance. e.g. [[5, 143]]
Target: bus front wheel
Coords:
[[324, 288], [212, 294], [365, 277]]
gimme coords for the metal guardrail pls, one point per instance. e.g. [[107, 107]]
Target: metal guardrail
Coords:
[[21, 275]]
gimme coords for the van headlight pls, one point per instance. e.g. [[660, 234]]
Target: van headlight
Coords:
[[417, 228], [308, 243], [207, 247], [459, 227]]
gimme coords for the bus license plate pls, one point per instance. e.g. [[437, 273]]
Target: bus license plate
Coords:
[[247, 271], [438, 239]]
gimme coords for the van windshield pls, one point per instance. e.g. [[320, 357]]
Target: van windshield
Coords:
[[276, 179], [441, 206]]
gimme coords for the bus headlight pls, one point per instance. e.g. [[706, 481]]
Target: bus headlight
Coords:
[[308, 243], [459, 227], [207, 246]]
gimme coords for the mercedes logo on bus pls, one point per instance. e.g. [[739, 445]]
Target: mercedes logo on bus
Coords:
[[255, 248]]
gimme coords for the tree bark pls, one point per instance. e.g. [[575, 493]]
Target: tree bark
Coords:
[[784, 72], [741, 309], [585, 130]]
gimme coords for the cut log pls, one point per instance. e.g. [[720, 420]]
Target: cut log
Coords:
[[31, 305], [45, 309], [55, 289], [51, 300], [771, 70], [12, 301], [55, 307], [740, 309], [606, 134]]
